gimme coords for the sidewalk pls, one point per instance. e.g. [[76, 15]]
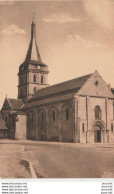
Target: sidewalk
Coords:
[[108, 146], [13, 162]]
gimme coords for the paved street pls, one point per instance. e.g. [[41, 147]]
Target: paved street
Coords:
[[66, 160]]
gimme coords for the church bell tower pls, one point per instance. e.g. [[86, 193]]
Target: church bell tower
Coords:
[[32, 72]]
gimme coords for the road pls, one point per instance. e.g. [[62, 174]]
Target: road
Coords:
[[59, 160], [68, 160]]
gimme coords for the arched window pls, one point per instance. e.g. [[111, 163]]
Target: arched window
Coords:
[[112, 127], [42, 116], [34, 78], [97, 112], [42, 79], [82, 127], [32, 118], [53, 115], [67, 114]]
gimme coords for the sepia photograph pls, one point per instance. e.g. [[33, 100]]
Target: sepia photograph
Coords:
[[57, 89]]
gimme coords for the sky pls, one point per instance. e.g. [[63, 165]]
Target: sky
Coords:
[[75, 38]]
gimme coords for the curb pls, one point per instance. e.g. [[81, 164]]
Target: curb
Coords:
[[32, 170], [31, 166]]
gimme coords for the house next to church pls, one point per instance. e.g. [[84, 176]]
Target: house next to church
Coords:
[[79, 110]]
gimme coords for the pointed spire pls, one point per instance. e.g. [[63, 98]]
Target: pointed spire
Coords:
[[33, 15], [33, 51], [33, 31]]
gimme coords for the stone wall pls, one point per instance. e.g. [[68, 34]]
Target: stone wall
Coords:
[[90, 136], [78, 127], [27, 83], [50, 122], [86, 116], [5, 116], [67, 123], [31, 125], [111, 136], [12, 126], [20, 127]]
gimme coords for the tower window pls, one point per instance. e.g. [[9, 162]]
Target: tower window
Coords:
[[112, 127], [53, 115], [97, 112], [82, 127], [42, 79], [67, 114], [34, 78], [22, 68]]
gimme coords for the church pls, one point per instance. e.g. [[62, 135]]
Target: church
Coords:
[[80, 110]]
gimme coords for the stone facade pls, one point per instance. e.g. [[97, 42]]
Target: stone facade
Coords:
[[51, 122], [93, 129], [3, 128], [31, 79], [85, 116], [79, 110], [18, 128]]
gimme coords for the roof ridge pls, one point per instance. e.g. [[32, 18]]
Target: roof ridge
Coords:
[[12, 98], [9, 102], [15, 99]]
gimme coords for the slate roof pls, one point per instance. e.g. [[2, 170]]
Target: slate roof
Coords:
[[48, 100], [16, 104], [3, 125], [33, 51], [33, 55], [74, 84], [57, 92]]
